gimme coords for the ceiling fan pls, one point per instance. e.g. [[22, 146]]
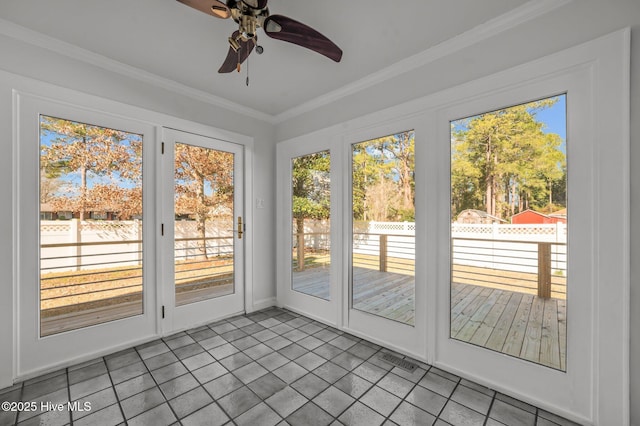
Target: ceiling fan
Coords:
[[253, 14]]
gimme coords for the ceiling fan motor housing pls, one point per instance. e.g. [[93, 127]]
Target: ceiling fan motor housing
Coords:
[[249, 14]]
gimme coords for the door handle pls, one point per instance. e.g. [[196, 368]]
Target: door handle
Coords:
[[240, 229]]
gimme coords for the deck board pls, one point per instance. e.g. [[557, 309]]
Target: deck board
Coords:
[[484, 331], [498, 336], [550, 340]]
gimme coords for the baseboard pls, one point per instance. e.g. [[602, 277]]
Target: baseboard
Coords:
[[261, 304], [308, 315]]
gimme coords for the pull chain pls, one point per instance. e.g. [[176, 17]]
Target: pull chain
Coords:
[[247, 81]]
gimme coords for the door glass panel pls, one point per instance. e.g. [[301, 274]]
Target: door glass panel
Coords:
[[383, 244], [204, 223], [509, 231], [311, 206], [91, 258]]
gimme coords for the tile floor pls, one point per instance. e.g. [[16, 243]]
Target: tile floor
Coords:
[[268, 368]]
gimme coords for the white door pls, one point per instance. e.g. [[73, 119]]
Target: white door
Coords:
[[86, 232], [203, 229], [309, 244], [512, 299], [384, 285]]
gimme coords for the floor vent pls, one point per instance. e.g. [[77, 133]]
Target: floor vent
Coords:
[[398, 362]]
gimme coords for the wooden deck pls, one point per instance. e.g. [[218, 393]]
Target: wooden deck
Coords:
[[522, 325], [115, 310], [483, 312], [386, 294]]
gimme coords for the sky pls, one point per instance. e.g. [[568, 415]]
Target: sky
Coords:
[[555, 119]]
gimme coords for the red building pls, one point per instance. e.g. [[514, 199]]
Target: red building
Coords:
[[533, 217]]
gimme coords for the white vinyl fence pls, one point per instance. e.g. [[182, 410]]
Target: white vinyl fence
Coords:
[[68, 245], [496, 246]]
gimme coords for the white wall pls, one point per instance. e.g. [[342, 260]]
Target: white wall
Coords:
[[39, 65], [577, 22]]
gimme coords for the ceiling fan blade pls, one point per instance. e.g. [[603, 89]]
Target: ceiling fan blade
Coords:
[[210, 7], [236, 57], [286, 29]]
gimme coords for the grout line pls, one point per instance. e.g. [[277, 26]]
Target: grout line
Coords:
[[19, 399], [486, 419], [113, 386], [215, 400], [66, 372], [157, 386]]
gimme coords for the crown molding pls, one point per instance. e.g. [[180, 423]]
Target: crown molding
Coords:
[[37, 39], [528, 11]]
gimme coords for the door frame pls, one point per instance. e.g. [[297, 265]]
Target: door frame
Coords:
[[177, 318]]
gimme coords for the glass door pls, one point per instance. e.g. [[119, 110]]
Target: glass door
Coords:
[[381, 268], [307, 274], [203, 228], [513, 304], [509, 263], [86, 253]]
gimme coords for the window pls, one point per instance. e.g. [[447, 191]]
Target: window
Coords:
[[311, 207], [509, 231], [383, 236], [203, 244], [90, 270]]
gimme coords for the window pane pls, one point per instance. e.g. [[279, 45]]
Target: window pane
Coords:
[[90, 225], [311, 207], [203, 232], [509, 231], [383, 242]]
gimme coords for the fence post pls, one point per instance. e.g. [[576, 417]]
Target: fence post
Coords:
[[544, 270], [138, 228], [75, 239], [301, 251], [383, 253]]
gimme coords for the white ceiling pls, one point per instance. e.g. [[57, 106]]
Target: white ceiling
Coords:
[[175, 42]]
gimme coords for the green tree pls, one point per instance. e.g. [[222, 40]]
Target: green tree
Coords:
[[383, 178], [503, 161], [311, 188]]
